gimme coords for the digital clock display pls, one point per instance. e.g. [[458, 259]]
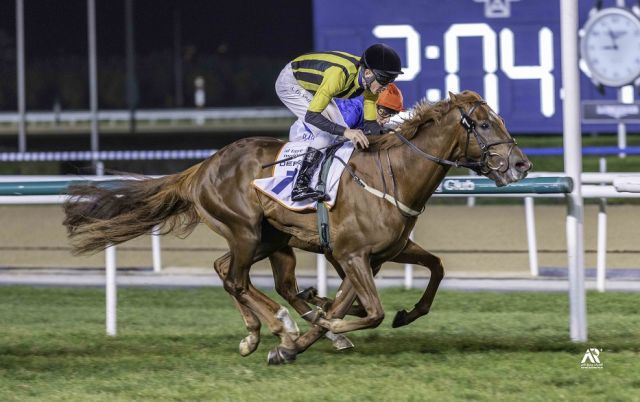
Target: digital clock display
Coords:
[[507, 50]]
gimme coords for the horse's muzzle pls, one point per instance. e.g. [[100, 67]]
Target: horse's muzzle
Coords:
[[518, 168]]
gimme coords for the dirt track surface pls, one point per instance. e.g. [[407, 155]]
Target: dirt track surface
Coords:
[[478, 241]]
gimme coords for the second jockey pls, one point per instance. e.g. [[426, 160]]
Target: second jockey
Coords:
[[389, 104]]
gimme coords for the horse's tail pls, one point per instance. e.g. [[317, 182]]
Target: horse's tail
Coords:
[[99, 216]]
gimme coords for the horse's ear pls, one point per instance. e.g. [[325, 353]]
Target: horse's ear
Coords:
[[452, 96]]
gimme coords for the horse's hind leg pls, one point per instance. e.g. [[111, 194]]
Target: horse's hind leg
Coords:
[[414, 254], [283, 264], [253, 304], [242, 228], [249, 343], [271, 313]]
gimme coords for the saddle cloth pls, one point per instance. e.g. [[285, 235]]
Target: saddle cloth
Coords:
[[280, 184]]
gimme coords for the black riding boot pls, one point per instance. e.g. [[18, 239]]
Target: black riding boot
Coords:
[[301, 190]]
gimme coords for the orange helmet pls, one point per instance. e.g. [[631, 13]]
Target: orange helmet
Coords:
[[391, 98]]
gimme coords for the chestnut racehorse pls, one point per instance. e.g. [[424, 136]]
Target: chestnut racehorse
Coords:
[[382, 191]]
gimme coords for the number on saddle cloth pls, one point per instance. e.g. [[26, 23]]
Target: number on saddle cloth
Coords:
[[285, 182]]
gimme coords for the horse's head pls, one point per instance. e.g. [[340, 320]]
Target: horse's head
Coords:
[[483, 142]]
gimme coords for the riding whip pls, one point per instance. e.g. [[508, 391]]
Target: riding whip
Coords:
[[335, 144]]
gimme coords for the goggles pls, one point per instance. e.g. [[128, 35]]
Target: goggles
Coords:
[[385, 112]]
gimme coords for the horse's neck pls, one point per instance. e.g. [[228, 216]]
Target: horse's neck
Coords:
[[420, 177]]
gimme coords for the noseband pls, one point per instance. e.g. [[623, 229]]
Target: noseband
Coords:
[[482, 166]]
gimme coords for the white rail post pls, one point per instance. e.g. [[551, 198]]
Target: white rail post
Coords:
[[408, 271], [156, 250], [99, 168], [573, 169], [471, 201], [601, 267], [531, 235], [321, 264], [110, 289]]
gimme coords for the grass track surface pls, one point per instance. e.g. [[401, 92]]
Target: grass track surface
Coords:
[[182, 345]]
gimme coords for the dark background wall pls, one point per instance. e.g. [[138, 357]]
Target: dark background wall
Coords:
[[238, 47]]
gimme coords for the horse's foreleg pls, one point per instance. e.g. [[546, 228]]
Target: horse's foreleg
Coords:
[[414, 254], [310, 294], [283, 264], [345, 297], [359, 272]]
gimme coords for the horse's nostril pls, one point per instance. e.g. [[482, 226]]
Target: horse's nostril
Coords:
[[524, 166]]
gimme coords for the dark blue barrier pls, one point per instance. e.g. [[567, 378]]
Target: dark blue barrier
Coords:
[[124, 155], [598, 151]]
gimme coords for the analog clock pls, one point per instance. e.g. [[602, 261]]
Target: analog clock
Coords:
[[610, 46]]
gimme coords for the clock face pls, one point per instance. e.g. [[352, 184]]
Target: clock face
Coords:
[[611, 46]]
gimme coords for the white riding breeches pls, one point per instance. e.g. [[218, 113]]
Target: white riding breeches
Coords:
[[297, 99]]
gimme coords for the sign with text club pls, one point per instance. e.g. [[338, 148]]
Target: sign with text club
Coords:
[[506, 50]]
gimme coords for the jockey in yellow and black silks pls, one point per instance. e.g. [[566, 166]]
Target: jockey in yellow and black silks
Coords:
[[390, 102], [308, 86]]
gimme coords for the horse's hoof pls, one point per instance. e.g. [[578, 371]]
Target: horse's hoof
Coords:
[[314, 315], [308, 294], [248, 345], [324, 303], [339, 341], [280, 355], [400, 319]]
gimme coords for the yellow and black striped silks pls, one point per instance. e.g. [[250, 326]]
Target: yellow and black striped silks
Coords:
[[329, 75]]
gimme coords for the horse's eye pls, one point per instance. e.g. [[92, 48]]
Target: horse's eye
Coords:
[[484, 126]]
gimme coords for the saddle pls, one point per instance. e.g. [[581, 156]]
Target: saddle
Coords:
[[280, 184], [326, 179]]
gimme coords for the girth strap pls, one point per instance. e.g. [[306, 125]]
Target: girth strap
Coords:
[[322, 212], [403, 207]]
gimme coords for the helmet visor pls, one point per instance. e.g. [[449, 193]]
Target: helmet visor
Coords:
[[384, 77]]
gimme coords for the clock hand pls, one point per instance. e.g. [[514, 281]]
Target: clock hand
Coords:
[[618, 34], [613, 39]]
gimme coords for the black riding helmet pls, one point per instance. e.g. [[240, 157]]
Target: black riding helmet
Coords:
[[383, 61]]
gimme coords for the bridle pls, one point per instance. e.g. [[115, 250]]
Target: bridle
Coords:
[[489, 160]]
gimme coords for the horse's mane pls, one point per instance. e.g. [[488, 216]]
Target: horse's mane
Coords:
[[424, 112]]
